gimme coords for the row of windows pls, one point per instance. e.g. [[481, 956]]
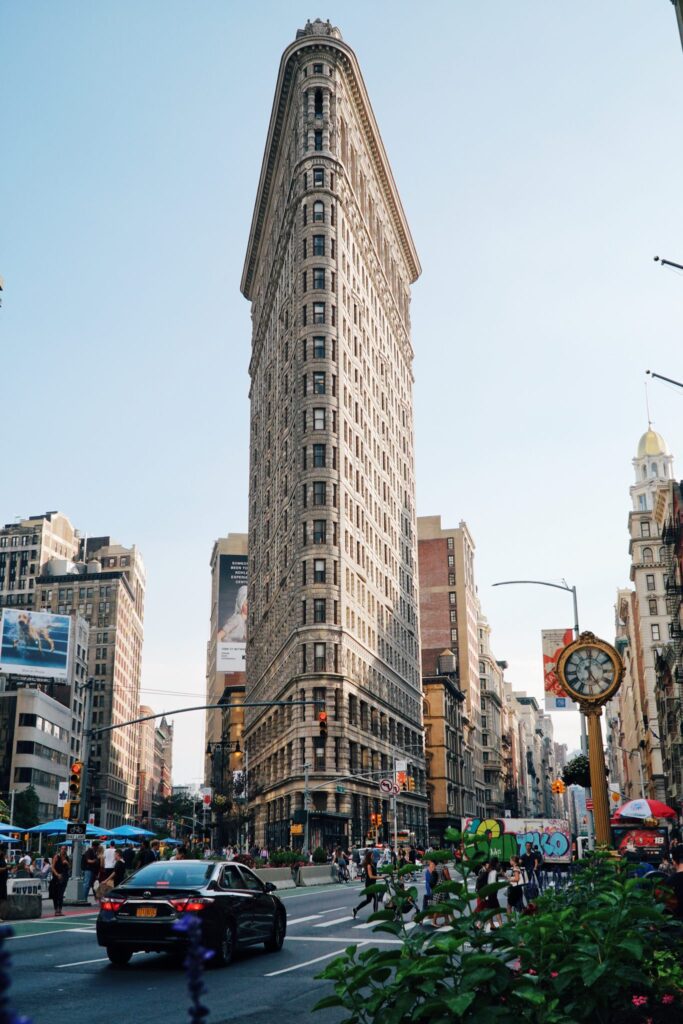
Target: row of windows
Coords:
[[647, 554], [320, 493], [318, 280], [318, 346], [319, 384], [36, 722], [318, 248], [319, 533], [318, 419], [318, 314], [40, 750], [320, 610]]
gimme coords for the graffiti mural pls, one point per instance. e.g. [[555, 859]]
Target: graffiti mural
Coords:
[[507, 837]]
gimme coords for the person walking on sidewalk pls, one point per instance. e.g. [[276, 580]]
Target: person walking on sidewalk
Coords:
[[370, 879], [60, 876], [91, 867]]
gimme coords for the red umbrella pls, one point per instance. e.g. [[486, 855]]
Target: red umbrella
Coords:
[[644, 809]]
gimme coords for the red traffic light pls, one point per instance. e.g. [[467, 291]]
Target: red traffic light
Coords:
[[77, 768], [322, 717]]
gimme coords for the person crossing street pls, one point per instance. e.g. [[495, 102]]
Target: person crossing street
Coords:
[[370, 879]]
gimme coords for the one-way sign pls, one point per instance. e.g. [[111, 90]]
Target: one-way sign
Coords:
[[75, 828]]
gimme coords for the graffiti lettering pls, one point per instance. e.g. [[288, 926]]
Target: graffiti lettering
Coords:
[[553, 845], [505, 837]]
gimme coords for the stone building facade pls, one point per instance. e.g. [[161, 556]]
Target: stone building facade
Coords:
[[333, 610]]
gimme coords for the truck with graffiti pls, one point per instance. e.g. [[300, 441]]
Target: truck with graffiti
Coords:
[[507, 837]]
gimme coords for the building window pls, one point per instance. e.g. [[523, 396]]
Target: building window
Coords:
[[319, 570], [319, 419], [318, 177], [317, 69], [647, 555], [303, 612], [650, 581], [319, 657], [451, 579], [317, 140], [653, 605], [318, 347], [319, 492], [451, 561], [319, 452], [318, 278], [453, 614], [655, 631], [318, 212], [451, 597], [319, 531], [642, 502], [454, 636], [319, 609], [450, 543], [318, 245], [319, 382], [318, 312], [644, 527]]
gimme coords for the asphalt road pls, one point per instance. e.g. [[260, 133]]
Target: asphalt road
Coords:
[[60, 973]]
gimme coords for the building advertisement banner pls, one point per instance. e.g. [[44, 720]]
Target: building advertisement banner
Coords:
[[507, 837], [231, 640], [34, 643], [554, 642]]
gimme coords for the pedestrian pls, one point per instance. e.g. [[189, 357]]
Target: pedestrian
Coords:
[[539, 868], [438, 873], [109, 860], [402, 861], [128, 856], [145, 855], [531, 882], [4, 873], [492, 902], [515, 891], [676, 882], [482, 880], [431, 879], [370, 879], [90, 864], [154, 847], [60, 876], [24, 868]]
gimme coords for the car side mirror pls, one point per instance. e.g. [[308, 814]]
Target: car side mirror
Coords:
[[270, 887], [213, 884]]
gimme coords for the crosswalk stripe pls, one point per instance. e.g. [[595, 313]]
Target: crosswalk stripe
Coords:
[[335, 920], [368, 924], [298, 920]]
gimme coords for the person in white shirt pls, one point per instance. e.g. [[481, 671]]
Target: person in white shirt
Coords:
[[109, 859]]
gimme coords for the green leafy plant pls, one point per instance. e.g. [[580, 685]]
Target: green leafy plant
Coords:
[[319, 856], [577, 771], [598, 951]]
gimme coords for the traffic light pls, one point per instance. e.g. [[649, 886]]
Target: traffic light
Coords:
[[373, 820], [402, 780], [558, 786], [411, 784], [379, 819], [322, 722], [74, 801]]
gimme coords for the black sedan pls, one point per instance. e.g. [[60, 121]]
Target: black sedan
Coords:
[[234, 906]]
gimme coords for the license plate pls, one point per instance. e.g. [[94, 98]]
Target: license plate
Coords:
[[146, 912]]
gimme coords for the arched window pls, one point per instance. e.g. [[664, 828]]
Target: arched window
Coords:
[[653, 469], [644, 472], [647, 555], [662, 554], [318, 103], [319, 212]]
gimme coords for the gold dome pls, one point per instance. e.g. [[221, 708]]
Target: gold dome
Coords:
[[651, 443]]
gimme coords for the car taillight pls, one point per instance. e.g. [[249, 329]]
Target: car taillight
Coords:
[[112, 904], [190, 906]]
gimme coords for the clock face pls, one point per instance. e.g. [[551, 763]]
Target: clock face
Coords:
[[589, 672]]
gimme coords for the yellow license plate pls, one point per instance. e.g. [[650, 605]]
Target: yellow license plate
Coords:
[[146, 912]]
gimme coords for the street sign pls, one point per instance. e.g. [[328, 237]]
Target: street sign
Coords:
[[206, 794], [340, 789], [589, 804], [395, 788], [386, 786], [75, 828], [62, 793], [401, 766]]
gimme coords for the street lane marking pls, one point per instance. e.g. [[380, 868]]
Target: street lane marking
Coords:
[[298, 920], [368, 924], [336, 920], [316, 939], [307, 963], [55, 931], [79, 963]]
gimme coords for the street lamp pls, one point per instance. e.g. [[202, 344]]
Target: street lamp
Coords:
[[570, 590], [232, 747]]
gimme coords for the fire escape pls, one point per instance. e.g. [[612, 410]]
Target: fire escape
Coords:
[[669, 664]]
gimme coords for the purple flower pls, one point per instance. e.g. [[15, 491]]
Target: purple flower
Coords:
[[194, 962]]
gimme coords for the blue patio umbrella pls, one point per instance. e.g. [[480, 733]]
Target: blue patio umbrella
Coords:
[[58, 828], [129, 832]]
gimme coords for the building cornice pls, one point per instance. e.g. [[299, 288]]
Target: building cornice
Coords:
[[288, 67]]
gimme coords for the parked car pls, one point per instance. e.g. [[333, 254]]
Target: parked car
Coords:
[[234, 906]]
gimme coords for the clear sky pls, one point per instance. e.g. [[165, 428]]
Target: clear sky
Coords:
[[537, 148]]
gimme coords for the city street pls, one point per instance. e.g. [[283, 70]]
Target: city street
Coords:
[[59, 971]]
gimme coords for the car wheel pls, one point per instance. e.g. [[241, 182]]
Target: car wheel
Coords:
[[119, 957], [225, 950], [274, 943]]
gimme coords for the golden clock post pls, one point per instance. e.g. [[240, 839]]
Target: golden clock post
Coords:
[[590, 672]]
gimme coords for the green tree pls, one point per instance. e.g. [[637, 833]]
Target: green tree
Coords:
[[4, 811], [26, 808]]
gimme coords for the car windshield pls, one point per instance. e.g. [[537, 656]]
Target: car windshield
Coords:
[[179, 874]]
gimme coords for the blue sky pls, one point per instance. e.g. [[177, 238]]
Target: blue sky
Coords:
[[537, 148]]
